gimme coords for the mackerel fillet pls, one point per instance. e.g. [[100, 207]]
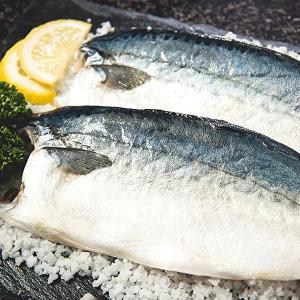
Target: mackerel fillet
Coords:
[[166, 190], [250, 86]]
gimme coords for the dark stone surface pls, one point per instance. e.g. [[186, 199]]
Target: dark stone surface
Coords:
[[266, 19], [20, 283], [10, 12]]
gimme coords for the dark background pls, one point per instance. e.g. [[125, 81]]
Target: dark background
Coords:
[[267, 19]]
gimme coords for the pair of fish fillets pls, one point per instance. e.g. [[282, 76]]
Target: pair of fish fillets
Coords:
[[178, 192]]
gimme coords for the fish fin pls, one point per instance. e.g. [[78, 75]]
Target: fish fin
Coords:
[[78, 161], [122, 77]]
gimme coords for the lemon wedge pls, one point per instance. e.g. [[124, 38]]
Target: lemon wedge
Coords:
[[47, 49], [11, 72]]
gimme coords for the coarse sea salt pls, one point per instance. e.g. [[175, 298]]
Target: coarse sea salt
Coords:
[[88, 297], [122, 279]]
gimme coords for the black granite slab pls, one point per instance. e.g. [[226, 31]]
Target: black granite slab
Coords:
[[23, 283], [264, 19]]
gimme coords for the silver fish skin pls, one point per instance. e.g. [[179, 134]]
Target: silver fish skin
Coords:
[[254, 68], [170, 191], [205, 76]]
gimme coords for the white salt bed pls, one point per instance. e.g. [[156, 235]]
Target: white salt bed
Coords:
[[41, 108], [122, 279]]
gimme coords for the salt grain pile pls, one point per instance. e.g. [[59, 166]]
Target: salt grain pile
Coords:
[[121, 279]]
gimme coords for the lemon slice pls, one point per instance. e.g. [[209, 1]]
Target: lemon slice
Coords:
[[47, 49], [11, 72], [2, 78]]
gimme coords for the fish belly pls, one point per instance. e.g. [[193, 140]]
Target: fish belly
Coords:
[[206, 223]]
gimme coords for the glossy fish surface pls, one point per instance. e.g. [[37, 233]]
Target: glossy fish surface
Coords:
[[253, 87], [170, 191]]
